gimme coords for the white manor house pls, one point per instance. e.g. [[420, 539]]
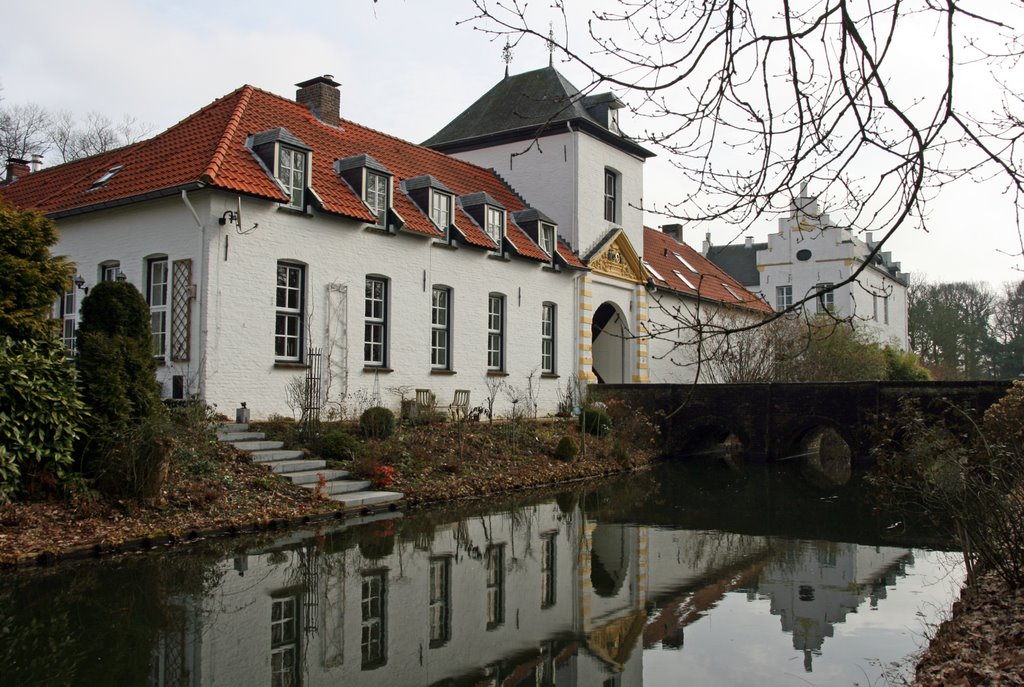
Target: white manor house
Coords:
[[260, 228]]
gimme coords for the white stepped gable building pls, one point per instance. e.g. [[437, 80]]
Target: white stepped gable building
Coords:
[[259, 228], [808, 255]]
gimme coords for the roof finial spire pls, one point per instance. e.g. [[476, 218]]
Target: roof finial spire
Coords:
[[551, 44], [506, 55]]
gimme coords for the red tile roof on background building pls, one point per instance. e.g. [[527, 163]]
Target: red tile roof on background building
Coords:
[[209, 148], [666, 259]]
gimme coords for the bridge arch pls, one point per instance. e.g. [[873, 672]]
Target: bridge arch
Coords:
[[711, 437], [611, 345], [825, 451]]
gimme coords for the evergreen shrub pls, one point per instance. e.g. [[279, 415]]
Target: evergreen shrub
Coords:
[[567, 448], [339, 445], [377, 423], [41, 415], [595, 421]]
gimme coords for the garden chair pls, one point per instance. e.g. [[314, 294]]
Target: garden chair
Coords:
[[459, 407], [425, 402]]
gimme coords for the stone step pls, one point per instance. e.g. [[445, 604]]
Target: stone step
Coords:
[[313, 476], [285, 466], [257, 445], [359, 499], [267, 456], [340, 486], [240, 436], [232, 427]]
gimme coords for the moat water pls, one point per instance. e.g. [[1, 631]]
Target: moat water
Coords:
[[692, 575]]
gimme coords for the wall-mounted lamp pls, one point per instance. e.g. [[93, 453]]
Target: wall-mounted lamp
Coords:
[[80, 283], [121, 276]]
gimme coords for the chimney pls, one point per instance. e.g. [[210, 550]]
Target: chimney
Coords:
[[37, 162], [706, 246], [17, 168], [323, 98], [673, 230], [748, 241]]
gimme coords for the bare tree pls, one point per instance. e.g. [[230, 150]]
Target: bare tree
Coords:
[[71, 140], [876, 104], [23, 131]]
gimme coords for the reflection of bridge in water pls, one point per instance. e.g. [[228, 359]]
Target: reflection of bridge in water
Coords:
[[819, 422], [542, 595]]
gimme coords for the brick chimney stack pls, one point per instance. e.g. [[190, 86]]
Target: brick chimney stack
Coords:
[[322, 96], [673, 230], [16, 168]]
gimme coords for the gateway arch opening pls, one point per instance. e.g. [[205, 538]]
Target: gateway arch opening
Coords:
[[611, 345]]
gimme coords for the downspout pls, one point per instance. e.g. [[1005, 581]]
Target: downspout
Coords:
[[200, 297], [575, 188]]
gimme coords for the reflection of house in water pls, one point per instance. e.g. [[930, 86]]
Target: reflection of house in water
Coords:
[[538, 596], [814, 586]]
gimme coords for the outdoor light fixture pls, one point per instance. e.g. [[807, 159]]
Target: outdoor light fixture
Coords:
[[80, 283], [121, 276]]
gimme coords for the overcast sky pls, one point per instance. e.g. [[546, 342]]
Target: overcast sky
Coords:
[[405, 67]]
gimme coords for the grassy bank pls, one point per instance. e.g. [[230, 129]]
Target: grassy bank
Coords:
[[212, 487]]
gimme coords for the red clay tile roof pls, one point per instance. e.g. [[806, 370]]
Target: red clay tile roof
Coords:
[[664, 258], [208, 147]]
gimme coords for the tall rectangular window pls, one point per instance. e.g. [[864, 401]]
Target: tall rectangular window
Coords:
[[68, 320], [826, 299], [494, 561], [441, 210], [874, 307], [291, 171], [547, 238], [611, 196], [374, 641], [495, 224], [284, 642], [290, 311], [783, 297], [440, 328], [547, 338], [885, 309], [375, 332], [156, 295], [440, 601], [495, 332], [547, 570], [377, 195]]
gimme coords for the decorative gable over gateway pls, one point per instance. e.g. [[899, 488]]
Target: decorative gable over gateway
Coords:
[[615, 257]]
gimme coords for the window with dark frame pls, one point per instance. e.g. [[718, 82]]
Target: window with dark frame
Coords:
[[826, 299], [440, 601], [783, 297], [441, 210], [284, 642], [547, 338], [495, 224], [495, 332], [374, 638], [157, 279], [375, 332], [376, 195], [611, 196], [110, 270], [291, 171], [290, 311], [494, 561], [440, 328], [547, 238], [547, 570], [69, 321]]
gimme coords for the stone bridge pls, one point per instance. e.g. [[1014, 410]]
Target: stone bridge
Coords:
[[772, 422]]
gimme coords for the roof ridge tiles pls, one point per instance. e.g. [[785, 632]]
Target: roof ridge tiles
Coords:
[[210, 173]]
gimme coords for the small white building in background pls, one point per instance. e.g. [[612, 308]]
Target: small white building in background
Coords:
[[808, 255], [261, 229]]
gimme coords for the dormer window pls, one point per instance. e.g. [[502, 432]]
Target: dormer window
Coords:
[[441, 209], [371, 181], [286, 157], [376, 196], [495, 225], [547, 238], [613, 120], [611, 195], [291, 172]]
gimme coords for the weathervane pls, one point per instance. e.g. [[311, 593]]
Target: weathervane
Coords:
[[506, 55], [551, 44]]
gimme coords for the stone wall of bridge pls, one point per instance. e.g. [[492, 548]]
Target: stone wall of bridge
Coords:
[[768, 422]]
